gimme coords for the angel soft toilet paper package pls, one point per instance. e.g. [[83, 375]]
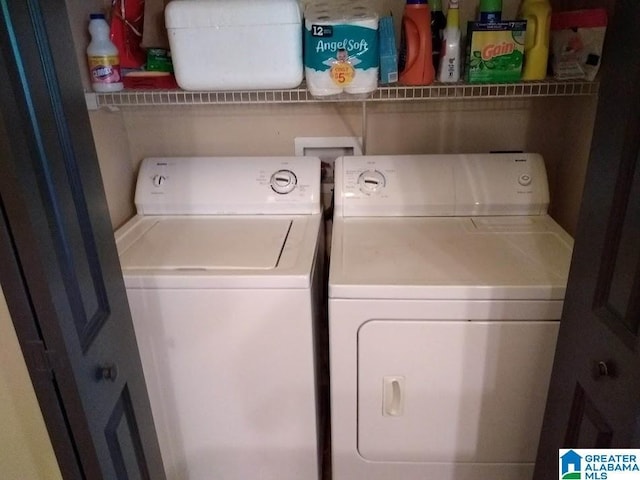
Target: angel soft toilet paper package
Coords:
[[340, 48]]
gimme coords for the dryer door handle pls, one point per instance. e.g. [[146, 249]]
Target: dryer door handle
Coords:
[[393, 396]]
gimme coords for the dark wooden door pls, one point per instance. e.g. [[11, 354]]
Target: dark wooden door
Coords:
[[58, 263], [594, 396]]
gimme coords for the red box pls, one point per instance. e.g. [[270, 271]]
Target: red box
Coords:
[[149, 81]]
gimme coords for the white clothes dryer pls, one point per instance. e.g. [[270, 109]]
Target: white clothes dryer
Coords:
[[223, 269], [446, 287]]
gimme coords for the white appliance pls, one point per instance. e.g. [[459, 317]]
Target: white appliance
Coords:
[[223, 270], [446, 285]]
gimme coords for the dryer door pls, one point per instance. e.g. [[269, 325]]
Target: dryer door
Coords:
[[452, 391]]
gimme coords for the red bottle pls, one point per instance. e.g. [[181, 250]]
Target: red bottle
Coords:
[[416, 57]]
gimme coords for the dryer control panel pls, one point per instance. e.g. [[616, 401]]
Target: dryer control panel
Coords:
[[228, 186], [441, 185]]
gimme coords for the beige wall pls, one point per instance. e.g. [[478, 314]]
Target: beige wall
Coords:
[[558, 128], [114, 157], [562, 134], [25, 448]]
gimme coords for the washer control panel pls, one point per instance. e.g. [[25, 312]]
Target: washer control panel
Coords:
[[228, 185]]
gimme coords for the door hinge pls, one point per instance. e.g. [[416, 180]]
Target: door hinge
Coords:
[[39, 358]]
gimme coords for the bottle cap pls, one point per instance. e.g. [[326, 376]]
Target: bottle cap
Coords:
[[453, 15], [491, 5], [416, 2], [96, 16], [435, 5]]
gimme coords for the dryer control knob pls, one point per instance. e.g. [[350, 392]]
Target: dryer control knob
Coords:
[[371, 181], [524, 179], [283, 181], [159, 180]]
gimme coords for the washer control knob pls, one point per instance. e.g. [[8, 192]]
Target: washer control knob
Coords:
[[371, 181], [283, 181], [524, 179], [159, 180]]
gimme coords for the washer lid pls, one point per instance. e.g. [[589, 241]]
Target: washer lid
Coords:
[[208, 244], [504, 258], [218, 251]]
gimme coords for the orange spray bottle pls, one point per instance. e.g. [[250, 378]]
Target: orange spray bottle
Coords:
[[416, 60]]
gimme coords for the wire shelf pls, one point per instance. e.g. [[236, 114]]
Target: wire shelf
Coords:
[[437, 91]]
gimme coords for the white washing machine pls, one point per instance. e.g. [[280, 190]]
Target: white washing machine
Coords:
[[223, 270], [446, 287]]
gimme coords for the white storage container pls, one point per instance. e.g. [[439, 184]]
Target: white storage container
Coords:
[[235, 44]]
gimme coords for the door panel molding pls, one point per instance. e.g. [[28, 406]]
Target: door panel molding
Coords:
[[620, 259], [587, 426], [123, 417], [73, 234]]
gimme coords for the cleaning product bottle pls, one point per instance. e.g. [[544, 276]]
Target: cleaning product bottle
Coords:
[[438, 24], [449, 70], [102, 57], [490, 11], [537, 13], [415, 62]]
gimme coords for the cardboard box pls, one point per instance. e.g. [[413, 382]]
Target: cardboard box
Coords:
[[388, 51], [149, 81], [159, 60], [154, 32], [495, 51]]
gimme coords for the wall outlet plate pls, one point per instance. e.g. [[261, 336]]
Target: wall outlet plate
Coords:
[[328, 146], [327, 149]]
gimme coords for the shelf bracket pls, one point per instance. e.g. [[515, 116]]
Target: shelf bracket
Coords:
[[92, 100]]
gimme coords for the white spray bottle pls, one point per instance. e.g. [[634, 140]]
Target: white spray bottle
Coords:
[[449, 70]]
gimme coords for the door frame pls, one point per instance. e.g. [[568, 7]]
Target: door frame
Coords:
[[37, 358]]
